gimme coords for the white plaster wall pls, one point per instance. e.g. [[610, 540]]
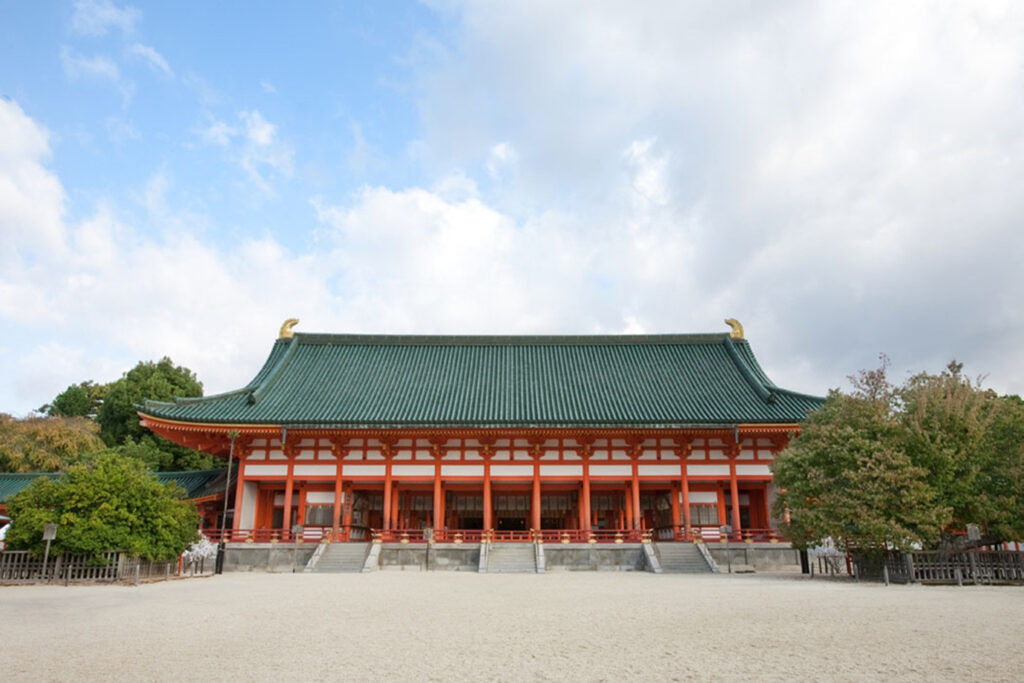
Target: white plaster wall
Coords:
[[248, 510]]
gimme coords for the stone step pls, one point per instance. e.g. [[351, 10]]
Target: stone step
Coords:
[[342, 557], [508, 558], [682, 558]]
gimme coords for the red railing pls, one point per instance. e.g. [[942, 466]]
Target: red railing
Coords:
[[308, 535], [362, 534], [713, 534]]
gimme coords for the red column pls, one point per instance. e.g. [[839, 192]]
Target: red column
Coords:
[[585, 501], [336, 511], [684, 483], [239, 491], [767, 507], [674, 495], [535, 506], [487, 493], [386, 512], [288, 489], [734, 493], [438, 498], [636, 498]]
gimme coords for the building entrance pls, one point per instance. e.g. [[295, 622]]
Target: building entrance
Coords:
[[511, 512]]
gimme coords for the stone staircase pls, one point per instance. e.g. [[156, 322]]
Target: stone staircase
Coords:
[[509, 558], [342, 557], [682, 558]]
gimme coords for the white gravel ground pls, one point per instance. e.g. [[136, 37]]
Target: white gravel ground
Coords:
[[455, 626]]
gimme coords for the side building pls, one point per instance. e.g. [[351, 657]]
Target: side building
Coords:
[[521, 438]]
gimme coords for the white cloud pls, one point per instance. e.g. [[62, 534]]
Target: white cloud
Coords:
[[218, 133], [152, 57], [258, 130], [31, 196], [268, 87], [78, 66], [95, 68], [842, 178], [255, 146], [96, 17], [501, 156], [388, 261], [263, 153], [121, 131]]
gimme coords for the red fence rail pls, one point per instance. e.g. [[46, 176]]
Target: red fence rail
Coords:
[[708, 534]]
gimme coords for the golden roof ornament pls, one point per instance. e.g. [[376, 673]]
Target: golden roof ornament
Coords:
[[286, 328], [737, 328]]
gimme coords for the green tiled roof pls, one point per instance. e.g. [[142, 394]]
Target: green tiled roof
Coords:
[[197, 483], [390, 381]]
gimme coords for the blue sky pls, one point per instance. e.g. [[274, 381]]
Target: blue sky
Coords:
[[178, 178]]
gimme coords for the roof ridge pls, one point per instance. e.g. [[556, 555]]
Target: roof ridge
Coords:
[[766, 395], [507, 340], [272, 377]]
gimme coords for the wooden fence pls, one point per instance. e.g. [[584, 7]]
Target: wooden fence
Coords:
[[20, 566], [938, 567]]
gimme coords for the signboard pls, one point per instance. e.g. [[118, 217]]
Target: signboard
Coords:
[[973, 532], [49, 532]]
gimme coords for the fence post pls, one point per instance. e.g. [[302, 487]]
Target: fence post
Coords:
[[56, 567], [959, 575], [910, 567], [885, 573], [974, 567]]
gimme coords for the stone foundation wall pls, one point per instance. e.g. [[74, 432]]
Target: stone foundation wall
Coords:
[[464, 557], [592, 557], [267, 557], [761, 557]]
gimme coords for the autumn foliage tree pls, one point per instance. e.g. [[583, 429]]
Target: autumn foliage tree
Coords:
[[905, 466], [46, 444]]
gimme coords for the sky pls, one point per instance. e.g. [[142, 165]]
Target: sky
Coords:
[[177, 179]]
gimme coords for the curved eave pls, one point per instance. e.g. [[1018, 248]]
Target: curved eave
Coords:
[[219, 432]]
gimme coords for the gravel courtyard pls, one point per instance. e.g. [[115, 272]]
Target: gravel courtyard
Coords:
[[443, 626]]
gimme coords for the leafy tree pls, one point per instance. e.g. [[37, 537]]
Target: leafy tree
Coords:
[[78, 400], [112, 503], [119, 421], [46, 444], [901, 466]]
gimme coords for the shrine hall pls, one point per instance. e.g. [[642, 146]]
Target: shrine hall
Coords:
[[544, 439]]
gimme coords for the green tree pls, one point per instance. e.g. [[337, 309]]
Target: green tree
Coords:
[[78, 400], [46, 444], [112, 503], [119, 420], [903, 465]]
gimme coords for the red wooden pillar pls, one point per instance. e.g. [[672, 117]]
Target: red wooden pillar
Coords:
[[635, 486], [239, 491], [289, 484], [535, 506], [386, 512], [585, 501], [674, 495], [734, 493], [684, 484], [338, 500], [488, 512], [438, 498], [721, 506]]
